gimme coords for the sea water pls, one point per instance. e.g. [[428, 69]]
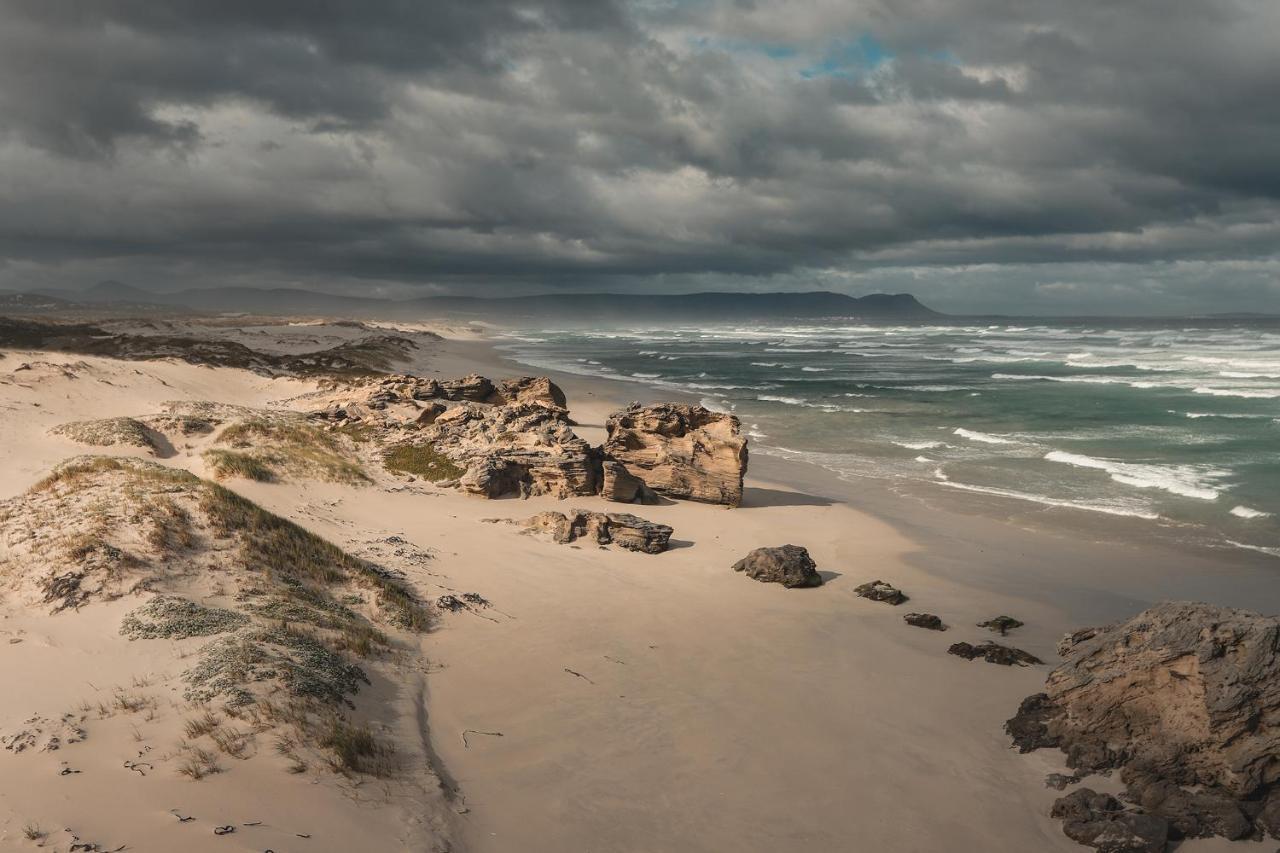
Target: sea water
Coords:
[[1173, 423]]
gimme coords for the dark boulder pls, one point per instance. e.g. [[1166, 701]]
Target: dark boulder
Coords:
[[789, 565], [1102, 822], [924, 620]]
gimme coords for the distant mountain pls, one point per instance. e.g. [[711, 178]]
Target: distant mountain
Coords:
[[561, 307], [117, 291], [32, 303], [682, 307]]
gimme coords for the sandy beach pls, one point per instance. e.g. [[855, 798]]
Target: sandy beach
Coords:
[[606, 700]]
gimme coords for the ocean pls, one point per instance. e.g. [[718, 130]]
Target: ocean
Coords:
[[1172, 423]]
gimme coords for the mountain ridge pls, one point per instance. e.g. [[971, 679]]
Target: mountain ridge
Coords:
[[563, 306]]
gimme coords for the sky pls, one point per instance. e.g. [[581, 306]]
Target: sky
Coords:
[[1025, 156]]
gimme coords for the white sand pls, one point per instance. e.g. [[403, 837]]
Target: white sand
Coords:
[[704, 711]]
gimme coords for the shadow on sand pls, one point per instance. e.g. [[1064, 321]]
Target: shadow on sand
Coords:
[[755, 496]]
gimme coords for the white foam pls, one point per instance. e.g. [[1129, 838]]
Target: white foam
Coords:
[[1237, 392], [1047, 501], [1270, 552], [982, 437], [1184, 480], [920, 445], [1249, 512], [816, 369], [923, 459]]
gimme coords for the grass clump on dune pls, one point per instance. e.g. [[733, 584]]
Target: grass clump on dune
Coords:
[[421, 460], [231, 463], [264, 448]]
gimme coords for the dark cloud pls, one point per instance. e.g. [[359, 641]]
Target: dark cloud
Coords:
[[603, 145]]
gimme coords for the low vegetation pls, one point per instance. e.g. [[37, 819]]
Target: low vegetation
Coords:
[[108, 432], [172, 618], [421, 460]]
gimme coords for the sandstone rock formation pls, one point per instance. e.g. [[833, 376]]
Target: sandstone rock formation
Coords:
[[513, 437], [1183, 700], [880, 591], [994, 653], [520, 449], [789, 565], [680, 451], [924, 620], [621, 529]]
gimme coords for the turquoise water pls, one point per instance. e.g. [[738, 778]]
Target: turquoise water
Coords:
[[1176, 423]]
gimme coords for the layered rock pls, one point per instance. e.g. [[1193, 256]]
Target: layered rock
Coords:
[[1184, 700], [622, 529], [789, 565], [679, 451]]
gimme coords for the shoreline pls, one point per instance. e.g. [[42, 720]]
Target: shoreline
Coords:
[[1035, 554]]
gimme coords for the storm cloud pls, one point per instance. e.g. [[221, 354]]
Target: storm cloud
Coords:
[[985, 154]]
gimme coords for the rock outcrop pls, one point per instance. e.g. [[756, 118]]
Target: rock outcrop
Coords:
[[622, 529], [521, 449], [1183, 700], [680, 451], [789, 565], [512, 437], [880, 591]]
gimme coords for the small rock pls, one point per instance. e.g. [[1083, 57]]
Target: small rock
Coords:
[[924, 620], [994, 653], [1001, 624], [878, 590]]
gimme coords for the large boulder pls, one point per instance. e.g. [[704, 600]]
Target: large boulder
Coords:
[[1183, 700], [680, 451], [789, 565], [622, 529]]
